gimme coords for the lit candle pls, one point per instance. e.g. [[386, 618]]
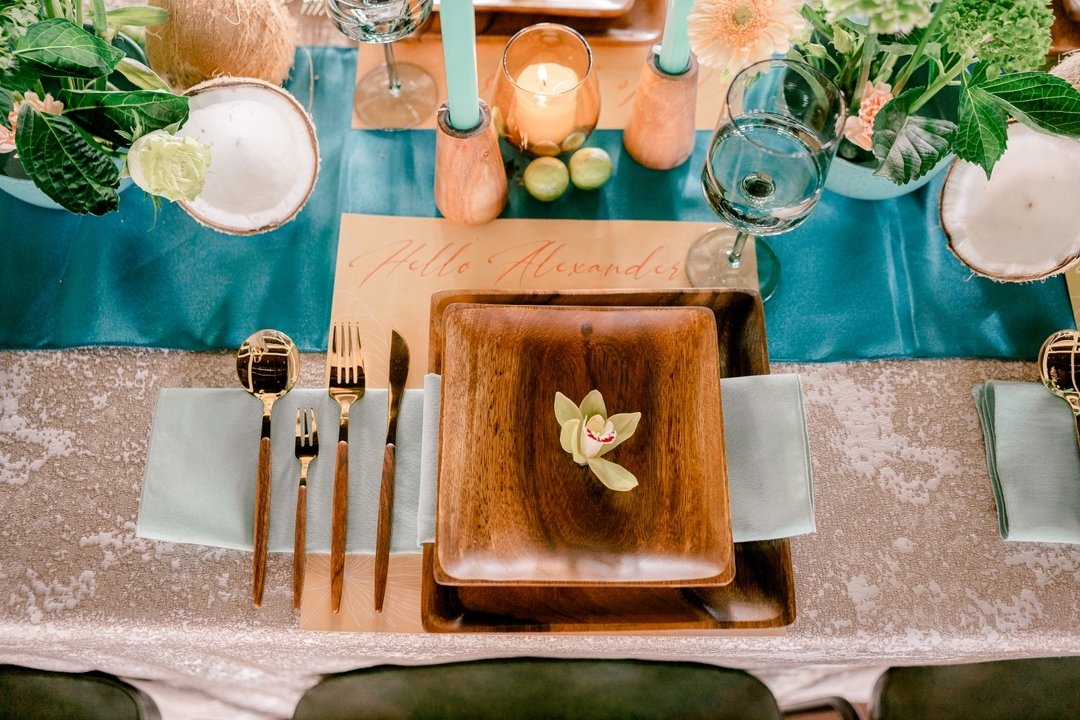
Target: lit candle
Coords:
[[675, 44], [459, 54], [546, 103]]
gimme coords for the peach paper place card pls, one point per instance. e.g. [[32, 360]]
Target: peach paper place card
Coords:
[[388, 268]]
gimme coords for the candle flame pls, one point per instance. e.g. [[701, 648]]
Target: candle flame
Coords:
[[541, 74]]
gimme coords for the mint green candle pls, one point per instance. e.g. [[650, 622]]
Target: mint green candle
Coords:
[[675, 45], [459, 54]]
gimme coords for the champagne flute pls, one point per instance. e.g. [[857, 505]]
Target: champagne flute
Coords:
[[766, 167], [394, 95]]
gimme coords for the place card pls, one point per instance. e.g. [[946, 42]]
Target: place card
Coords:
[[389, 267]]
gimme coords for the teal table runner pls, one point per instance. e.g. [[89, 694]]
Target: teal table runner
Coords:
[[860, 280]]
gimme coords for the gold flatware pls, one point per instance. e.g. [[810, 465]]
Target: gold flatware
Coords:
[[1059, 368], [399, 373], [345, 364], [307, 449], [268, 365]]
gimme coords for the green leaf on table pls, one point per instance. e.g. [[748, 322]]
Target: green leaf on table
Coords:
[[136, 16], [907, 146], [1041, 101], [140, 75], [122, 116], [65, 164], [613, 475], [62, 48], [982, 130]]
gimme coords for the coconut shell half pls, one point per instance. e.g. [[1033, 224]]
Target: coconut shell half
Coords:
[[264, 155], [1023, 223]]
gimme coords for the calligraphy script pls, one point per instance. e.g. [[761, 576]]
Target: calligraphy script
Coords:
[[389, 267], [518, 266]]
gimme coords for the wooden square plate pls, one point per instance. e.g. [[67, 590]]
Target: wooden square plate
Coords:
[[513, 506], [762, 595]]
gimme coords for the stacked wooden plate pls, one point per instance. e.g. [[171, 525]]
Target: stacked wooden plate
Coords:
[[527, 540]]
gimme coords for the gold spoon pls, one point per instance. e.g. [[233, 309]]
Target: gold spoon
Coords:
[[268, 364], [1059, 367]]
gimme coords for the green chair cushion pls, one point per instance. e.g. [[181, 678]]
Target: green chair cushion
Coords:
[[1000, 690], [27, 694], [541, 688]]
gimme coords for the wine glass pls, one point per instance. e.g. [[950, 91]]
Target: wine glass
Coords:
[[394, 95], [766, 166]]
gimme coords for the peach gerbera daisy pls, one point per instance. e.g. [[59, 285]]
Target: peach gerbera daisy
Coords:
[[731, 34]]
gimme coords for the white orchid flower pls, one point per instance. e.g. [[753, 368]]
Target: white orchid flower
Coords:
[[586, 432]]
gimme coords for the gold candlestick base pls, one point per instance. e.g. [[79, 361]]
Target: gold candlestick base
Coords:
[[660, 132], [470, 181]]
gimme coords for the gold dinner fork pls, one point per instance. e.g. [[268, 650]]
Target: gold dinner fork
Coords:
[[307, 449], [345, 365]]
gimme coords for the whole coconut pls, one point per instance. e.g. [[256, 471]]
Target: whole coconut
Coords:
[[205, 39], [1069, 69]]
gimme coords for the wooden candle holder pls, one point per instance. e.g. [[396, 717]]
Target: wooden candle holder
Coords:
[[470, 181], [660, 131]]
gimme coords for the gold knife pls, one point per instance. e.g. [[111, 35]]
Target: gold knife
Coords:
[[399, 374]]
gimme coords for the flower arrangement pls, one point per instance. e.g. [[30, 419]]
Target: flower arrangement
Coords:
[[923, 78], [587, 432], [76, 108]]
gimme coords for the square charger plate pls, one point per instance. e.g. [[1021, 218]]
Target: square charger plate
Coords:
[[513, 506], [762, 593]]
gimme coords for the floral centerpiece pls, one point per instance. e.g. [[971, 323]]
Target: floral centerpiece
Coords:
[[923, 78], [76, 110]]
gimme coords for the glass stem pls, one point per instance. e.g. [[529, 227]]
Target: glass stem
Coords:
[[393, 83], [734, 256]]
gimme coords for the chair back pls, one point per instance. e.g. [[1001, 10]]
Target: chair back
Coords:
[[547, 688]]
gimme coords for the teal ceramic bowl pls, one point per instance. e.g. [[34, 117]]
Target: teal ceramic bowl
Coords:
[[28, 192], [859, 182]]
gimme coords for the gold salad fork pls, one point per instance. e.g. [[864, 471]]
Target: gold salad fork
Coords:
[[345, 366], [307, 449]]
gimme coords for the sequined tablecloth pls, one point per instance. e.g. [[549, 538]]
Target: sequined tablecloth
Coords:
[[906, 567]]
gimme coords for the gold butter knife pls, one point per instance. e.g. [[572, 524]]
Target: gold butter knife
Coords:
[[399, 374]]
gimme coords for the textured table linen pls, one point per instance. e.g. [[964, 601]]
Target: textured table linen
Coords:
[[906, 566], [860, 279]]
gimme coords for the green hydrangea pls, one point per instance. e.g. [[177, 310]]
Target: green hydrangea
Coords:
[[885, 17], [15, 17], [1009, 35]]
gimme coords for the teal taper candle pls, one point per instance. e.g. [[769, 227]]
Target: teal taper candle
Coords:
[[675, 45], [459, 53]]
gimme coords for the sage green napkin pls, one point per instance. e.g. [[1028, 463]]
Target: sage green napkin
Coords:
[[769, 479], [199, 484], [200, 471], [1032, 457]]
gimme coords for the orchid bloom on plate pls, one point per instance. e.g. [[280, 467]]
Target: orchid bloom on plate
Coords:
[[587, 432], [859, 129]]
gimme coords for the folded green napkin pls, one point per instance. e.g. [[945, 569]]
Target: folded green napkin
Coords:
[[199, 484], [200, 470], [1032, 457]]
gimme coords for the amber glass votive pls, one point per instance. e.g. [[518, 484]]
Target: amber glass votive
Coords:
[[547, 98]]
